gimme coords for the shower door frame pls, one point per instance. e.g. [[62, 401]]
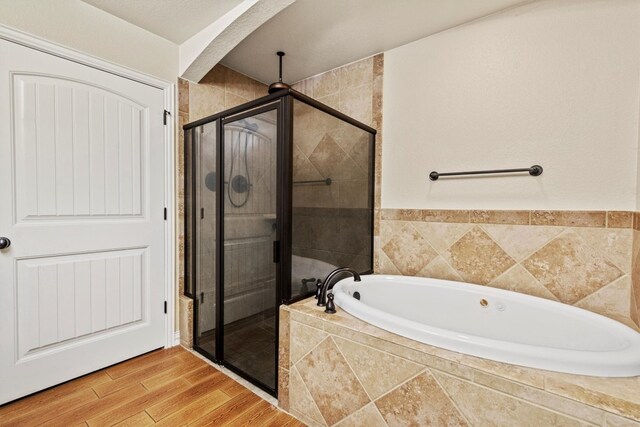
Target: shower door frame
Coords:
[[220, 250], [282, 101]]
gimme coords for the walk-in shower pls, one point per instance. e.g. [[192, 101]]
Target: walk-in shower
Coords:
[[278, 192]]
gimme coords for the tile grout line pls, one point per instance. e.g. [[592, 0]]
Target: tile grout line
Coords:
[[453, 402], [304, 384]]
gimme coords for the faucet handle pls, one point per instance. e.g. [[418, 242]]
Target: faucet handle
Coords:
[[318, 288], [331, 307]]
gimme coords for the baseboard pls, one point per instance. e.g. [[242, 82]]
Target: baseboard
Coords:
[[176, 338]]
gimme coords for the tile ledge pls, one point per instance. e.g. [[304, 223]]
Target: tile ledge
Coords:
[[583, 386]]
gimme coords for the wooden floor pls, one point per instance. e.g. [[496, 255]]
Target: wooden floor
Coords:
[[165, 387]]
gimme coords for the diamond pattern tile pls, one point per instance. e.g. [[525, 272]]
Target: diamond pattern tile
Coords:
[[419, 402], [331, 382], [409, 251], [570, 268], [477, 258]]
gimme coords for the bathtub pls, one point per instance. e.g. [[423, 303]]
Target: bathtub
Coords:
[[494, 324]]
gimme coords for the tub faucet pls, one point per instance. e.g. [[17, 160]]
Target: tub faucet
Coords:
[[328, 284]]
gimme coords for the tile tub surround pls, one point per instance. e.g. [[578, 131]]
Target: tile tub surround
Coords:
[[587, 259], [339, 370]]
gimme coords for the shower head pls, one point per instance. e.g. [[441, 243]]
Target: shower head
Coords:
[[279, 85], [253, 127]]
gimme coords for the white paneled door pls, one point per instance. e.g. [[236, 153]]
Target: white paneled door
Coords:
[[82, 203]]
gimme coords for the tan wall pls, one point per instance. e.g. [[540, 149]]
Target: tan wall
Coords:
[[553, 82], [80, 26]]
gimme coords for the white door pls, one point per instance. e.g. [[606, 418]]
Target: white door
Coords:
[[81, 200]]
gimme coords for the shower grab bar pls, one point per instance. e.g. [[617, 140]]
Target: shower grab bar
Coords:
[[315, 181], [535, 170]]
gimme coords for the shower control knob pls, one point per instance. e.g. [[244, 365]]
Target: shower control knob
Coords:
[[4, 242]]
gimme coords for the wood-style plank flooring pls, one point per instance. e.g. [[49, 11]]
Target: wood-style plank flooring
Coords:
[[166, 387]]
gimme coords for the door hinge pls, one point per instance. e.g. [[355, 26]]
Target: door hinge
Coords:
[[165, 307], [201, 297], [164, 119], [201, 213], [165, 214]]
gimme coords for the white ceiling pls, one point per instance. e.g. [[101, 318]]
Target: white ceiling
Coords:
[[319, 35], [175, 20]]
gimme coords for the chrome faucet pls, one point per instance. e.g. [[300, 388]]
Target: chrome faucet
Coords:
[[328, 284]]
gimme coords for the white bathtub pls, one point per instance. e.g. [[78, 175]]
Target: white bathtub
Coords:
[[512, 328]]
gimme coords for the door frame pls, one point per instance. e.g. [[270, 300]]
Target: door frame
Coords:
[[9, 34]]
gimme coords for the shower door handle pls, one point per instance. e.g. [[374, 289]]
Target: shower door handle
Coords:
[[276, 251]]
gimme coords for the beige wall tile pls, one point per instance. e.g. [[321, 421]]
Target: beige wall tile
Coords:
[[326, 83], [232, 100], [301, 403], [619, 396], [500, 217], [385, 265], [441, 235], [283, 388], [482, 406], [570, 218], [240, 85], [518, 279], [409, 251], [367, 416], [308, 320], [615, 244], [616, 421], [477, 258], [419, 401], [401, 214], [355, 102], [183, 96], [205, 100], [305, 339], [185, 310], [331, 382], [284, 328], [612, 300], [539, 397], [570, 268], [619, 219], [440, 269], [445, 216], [520, 241], [356, 74], [377, 371]]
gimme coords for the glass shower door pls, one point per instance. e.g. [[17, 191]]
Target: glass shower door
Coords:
[[249, 304], [204, 218]]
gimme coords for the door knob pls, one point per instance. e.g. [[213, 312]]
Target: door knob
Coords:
[[4, 243]]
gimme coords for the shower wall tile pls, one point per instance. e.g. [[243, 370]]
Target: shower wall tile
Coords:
[[183, 96], [205, 100], [326, 147], [595, 268], [325, 84]]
